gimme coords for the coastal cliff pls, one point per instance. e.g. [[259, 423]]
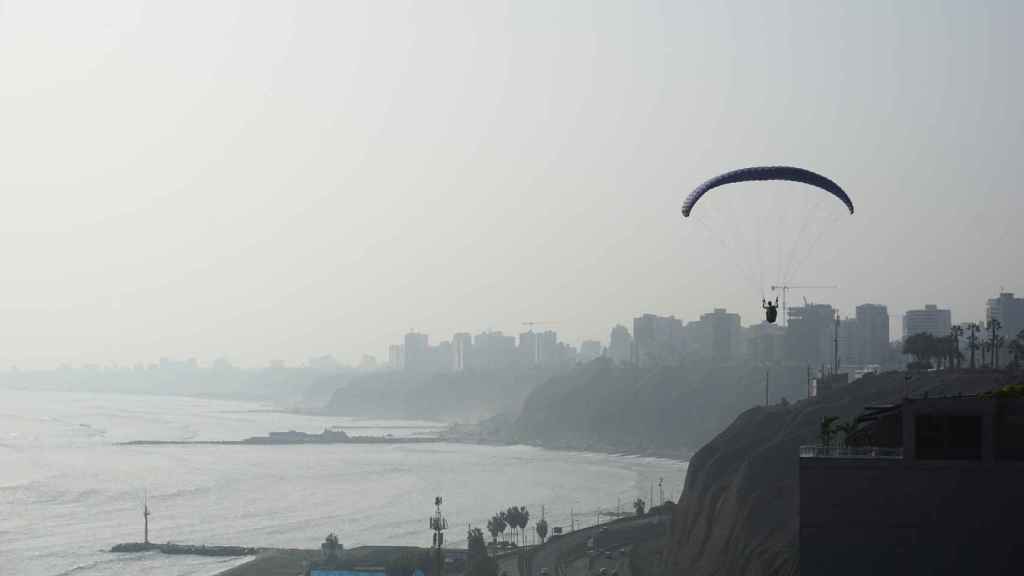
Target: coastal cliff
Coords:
[[665, 410], [739, 511]]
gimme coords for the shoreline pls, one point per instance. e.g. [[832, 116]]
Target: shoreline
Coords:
[[682, 456]]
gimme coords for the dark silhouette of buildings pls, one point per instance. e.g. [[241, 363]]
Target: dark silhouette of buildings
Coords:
[[930, 486]]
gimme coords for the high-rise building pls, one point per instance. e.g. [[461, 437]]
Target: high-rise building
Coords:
[[416, 348], [810, 331], [529, 348], [620, 344], [1010, 313], [765, 343], [851, 348], [716, 335], [589, 350], [931, 320], [873, 334], [395, 357], [494, 350], [657, 340], [462, 346], [547, 346]]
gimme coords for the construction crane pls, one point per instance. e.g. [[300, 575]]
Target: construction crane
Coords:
[[538, 323], [536, 341], [785, 288]]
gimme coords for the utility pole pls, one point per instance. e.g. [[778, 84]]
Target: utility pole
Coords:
[[661, 491], [835, 347], [145, 519], [438, 524], [572, 520], [809, 381]]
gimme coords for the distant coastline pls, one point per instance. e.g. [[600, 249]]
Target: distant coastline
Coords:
[[291, 437]]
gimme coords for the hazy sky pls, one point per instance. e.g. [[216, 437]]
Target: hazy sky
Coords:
[[285, 179]]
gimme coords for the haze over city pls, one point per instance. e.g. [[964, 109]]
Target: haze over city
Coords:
[[283, 180]]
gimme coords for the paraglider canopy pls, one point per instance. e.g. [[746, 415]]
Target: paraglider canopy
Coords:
[[756, 173]]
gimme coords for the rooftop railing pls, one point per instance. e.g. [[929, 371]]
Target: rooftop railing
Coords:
[[864, 452]]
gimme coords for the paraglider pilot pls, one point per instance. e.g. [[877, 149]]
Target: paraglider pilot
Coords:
[[771, 310]]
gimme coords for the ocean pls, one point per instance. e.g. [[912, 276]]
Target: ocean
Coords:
[[68, 492]]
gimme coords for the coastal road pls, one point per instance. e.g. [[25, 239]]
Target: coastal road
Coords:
[[559, 554]]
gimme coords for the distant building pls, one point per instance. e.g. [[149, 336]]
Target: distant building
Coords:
[[657, 340], [850, 344], [395, 357], [766, 343], [415, 350], [1010, 313], [931, 320], [810, 331], [529, 348], [462, 349], [873, 334], [716, 335], [547, 346], [493, 350], [924, 487], [589, 350], [620, 344]]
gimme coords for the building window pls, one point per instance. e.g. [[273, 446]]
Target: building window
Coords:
[[946, 437]]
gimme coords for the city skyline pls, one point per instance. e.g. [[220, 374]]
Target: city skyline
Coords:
[[303, 178], [1006, 306]]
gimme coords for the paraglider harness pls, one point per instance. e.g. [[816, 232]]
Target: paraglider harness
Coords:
[[771, 310]]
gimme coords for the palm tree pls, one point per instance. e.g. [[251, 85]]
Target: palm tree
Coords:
[[995, 340], [502, 518], [524, 520], [847, 428], [492, 528], [639, 505], [955, 333], [330, 547], [972, 340], [827, 430], [1016, 350], [512, 517], [542, 529]]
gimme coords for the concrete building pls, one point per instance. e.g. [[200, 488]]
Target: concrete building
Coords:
[[931, 320], [1009, 310], [930, 488], [850, 343], [765, 343], [657, 340], [589, 350], [716, 336], [620, 345], [395, 357], [415, 351], [493, 350], [810, 331], [528, 350], [462, 349], [873, 334]]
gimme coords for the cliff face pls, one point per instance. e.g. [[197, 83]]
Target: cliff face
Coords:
[[739, 511], [672, 409], [463, 396]]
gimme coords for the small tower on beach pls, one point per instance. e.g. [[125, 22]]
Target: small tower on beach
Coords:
[[145, 519]]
